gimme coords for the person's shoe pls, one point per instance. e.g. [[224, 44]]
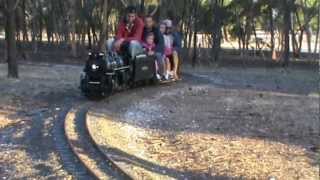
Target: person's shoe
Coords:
[[167, 77], [158, 77], [171, 77], [177, 78]]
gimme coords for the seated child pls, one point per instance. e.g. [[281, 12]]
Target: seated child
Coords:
[[149, 46], [168, 42]]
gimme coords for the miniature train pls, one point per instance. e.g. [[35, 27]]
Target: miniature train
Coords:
[[105, 73]]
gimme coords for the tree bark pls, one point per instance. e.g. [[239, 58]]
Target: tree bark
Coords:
[[217, 25], [293, 38], [142, 8], [72, 23], [195, 33], [272, 47], [10, 39], [105, 26], [24, 23], [318, 31], [287, 25], [309, 36], [34, 26]]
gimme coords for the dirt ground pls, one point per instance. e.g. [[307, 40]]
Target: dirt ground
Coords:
[[258, 119], [250, 123]]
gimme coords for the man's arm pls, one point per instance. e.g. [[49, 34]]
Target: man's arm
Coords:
[[138, 31], [160, 41], [177, 41], [120, 31], [119, 36]]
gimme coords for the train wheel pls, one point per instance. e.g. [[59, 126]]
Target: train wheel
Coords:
[[108, 90], [96, 95]]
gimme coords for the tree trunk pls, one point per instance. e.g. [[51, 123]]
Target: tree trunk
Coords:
[[34, 26], [248, 31], [318, 31], [272, 47], [183, 16], [89, 37], [105, 26], [94, 34], [72, 19], [257, 47], [287, 25], [40, 22], [301, 27], [190, 32], [195, 33], [293, 39], [24, 23], [307, 18], [217, 25], [309, 36], [10, 38], [142, 8]]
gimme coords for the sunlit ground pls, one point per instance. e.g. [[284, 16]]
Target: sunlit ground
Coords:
[[6, 112], [206, 153]]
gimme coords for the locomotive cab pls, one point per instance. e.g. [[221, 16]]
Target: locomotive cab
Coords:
[[144, 67]]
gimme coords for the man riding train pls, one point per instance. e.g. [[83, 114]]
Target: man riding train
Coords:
[[134, 34], [129, 34]]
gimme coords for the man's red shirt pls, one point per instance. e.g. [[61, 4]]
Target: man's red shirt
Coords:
[[135, 33]]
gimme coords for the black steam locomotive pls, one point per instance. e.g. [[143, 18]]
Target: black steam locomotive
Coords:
[[105, 73]]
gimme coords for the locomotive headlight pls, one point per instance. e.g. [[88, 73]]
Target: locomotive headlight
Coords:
[[94, 67]]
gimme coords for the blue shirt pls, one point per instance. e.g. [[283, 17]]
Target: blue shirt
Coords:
[[177, 41]]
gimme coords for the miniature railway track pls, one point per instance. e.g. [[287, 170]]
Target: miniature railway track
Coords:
[[79, 153], [70, 162]]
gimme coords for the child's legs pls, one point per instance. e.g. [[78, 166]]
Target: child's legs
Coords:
[[160, 61], [157, 67], [176, 63], [168, 64], [178, 52]]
